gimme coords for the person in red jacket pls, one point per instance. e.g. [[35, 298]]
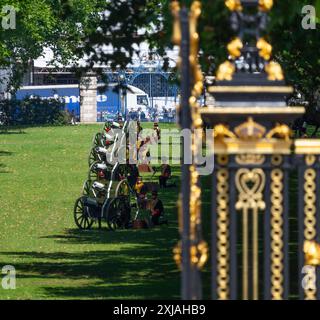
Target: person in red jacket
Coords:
[[156, 208]]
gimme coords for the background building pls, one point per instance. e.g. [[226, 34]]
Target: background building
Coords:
[[145, 73]]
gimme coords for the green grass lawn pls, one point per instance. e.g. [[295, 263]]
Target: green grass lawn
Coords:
[[41, 175]]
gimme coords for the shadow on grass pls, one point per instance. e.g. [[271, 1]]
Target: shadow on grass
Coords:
[[93, 236], [132, 264], [12, 130], [3, 166], [5, 153], [142, 268]]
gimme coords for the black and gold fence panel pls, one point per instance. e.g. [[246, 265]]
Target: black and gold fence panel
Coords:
[[251, 203], [254, 202], [251, 213], [265, 234]]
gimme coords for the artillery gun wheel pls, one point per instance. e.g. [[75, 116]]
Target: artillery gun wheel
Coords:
[[97, 140], [117, 213], [81, 215], [94, 156], [93, 172], [86, 188]]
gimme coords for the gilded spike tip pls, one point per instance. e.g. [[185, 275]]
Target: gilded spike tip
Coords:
[[265, 5], [265, 49], [226, 71], [274, 71], [234, 48], [233, 5]]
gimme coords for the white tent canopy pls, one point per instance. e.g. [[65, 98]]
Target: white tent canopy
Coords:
[[45, 61]]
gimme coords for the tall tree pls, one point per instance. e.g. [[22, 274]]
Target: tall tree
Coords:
[[73, 29], [124, 25], [294, 47], [56, 24]]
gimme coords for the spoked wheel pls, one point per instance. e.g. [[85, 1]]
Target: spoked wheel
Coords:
[[118, 213], [86, 188], [93, 172], [107, 126], [94, 156], [99, 174], [96, 142], [81, 215]]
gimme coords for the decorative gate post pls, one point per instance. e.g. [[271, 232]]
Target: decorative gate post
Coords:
[[254, 153], [255, 162], [191, 253]]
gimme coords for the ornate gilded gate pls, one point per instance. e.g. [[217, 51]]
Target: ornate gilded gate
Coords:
[[265, 184]]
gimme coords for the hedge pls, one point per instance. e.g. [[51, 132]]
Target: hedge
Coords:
[[33, 111]]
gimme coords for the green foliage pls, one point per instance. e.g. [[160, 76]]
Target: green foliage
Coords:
[[60, 25], [295, 48], [33, 111], [75, 28], [123, 24]]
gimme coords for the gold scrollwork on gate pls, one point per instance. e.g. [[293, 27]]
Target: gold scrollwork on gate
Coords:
[[276, 160], [277, 232], [280, 130], [250, 185], [251, 130], [223, 234], [176, 35], [265, 49], [312, 253], [234, 47], [246, 159], [222, 159], [274, 71], [251, 138], [198, 247], [198, 254], [199, 251], [310, 221]]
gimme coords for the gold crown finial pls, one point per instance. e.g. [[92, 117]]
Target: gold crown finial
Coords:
[[250, 130]]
